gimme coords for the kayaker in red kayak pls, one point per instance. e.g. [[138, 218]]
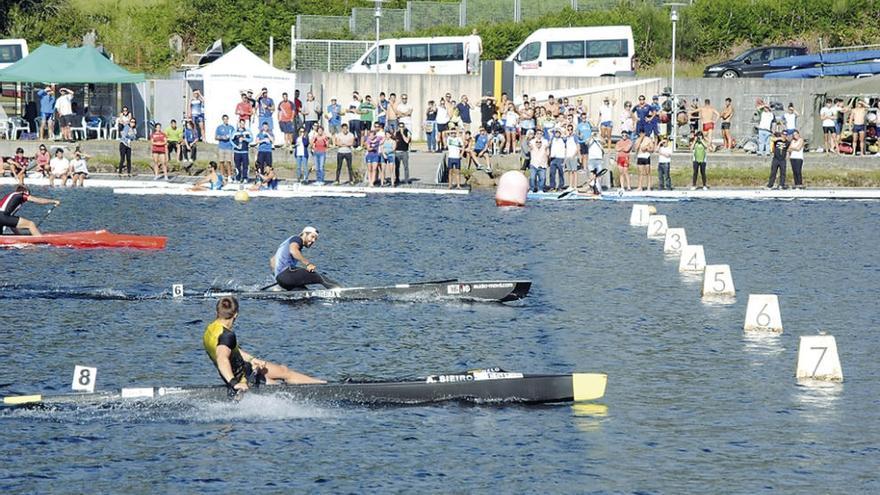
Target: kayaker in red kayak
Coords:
[[12, 202]]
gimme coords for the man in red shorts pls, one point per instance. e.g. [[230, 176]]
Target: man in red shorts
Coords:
[[623, 147]]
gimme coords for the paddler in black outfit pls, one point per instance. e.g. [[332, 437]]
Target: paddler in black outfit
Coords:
[[12, 202], [283, 263], [237, 367]]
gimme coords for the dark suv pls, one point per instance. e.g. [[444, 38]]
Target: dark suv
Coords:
[[754, 62]]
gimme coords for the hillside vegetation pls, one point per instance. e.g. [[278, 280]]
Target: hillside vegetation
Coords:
[[137, 31]]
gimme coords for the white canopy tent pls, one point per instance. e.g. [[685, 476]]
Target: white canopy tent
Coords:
[[225, 79]]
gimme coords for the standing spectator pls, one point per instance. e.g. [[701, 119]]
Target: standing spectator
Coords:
[[511, 120], [525, 149], [595, 161], [265, 109], [126, 136], [392, 117], [481, 149], [244, 110], [372, 143], [539, 151], [627, 124], [606, 120], [223, 136], [301, 152], [700, 152], [464, 111], [381, 107], [64, 107], [840, 110], [334, 118], [59, 168], [644, 148], [173, 135], [286, 112], [828, 116], [47, 111], [344, 142], [779, 145], [765, 122], [622, 148], [354, 121], [188, 145], [664, 162], [858, 119], [241, 140], [640, 115], [796, 154], [708, 116], [474, 50], [197, 113], [526, 118], [365, 110], [122, 119], [726, 118], [159, 149], [401, 151], [320, 143], [386, 167], [453, 161], [572, 148], [557, 157], [430, 126], [404, 111], [310, 112], [487, 111], [79, 168], [654, 118], [790, 117], [584, 132], [297, 110], [442, 124], [265, 141]]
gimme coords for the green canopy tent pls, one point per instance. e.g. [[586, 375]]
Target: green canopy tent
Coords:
[[55, 64]]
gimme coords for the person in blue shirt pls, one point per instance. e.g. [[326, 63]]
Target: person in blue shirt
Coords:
[[333, 118], [265, 142], [640, 112], [47, 111], [241, 139], [654, 118], [188, 145], [481, 149], [582, 135], [265, 107], [223, 135], [381, 109]]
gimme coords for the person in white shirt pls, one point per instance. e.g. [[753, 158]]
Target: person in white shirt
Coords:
[[442, 124], [627, 124], [828, 116], [453, 158], [59, 168], [796, 155], [790, 116], [595, 161], [64, 107], [571, 157], [539, 149], [606, 120], [664, 161], [474, 50], [404, 111], [80, 169], [764, 129], [557, 157]]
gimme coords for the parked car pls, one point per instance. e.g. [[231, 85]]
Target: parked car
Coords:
[[754, 62]]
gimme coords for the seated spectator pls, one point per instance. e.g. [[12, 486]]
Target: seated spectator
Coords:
[[59, 168], [42, 158], [481, 150], [17, 165], [80, 168]]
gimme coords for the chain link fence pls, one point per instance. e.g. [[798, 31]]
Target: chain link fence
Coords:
[[430, 14], [363, 22], [327, 55]]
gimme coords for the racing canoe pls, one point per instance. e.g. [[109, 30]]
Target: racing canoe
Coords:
[[491, 385], [87, 239]]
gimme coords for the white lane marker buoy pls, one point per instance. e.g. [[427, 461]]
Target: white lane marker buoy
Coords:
[[717, 281], [693, 259], [177, 290], [657, 226], [639, 215], [818, 359], [676, 240], [762, 314], [84, 378]]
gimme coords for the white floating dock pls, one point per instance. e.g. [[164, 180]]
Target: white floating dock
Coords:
[[229, 193]]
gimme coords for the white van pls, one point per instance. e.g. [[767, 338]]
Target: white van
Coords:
[[576, 51], [439, 55], [11, 51]]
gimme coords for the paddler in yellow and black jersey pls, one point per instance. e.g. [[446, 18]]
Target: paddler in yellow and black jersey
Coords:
[[236, 366]]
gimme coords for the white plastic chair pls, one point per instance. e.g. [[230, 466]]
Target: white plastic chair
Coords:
[[18, 125], [98, 128], [81, 130]]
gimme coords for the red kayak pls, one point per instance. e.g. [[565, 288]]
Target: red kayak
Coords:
[[87, 239]]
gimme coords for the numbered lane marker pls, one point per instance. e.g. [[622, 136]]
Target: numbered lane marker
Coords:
[[717, 281], [84, 378], [818, 360], [657, 226], [693, 259], [177, 290], [639, 215], [676, 240], [762, 314]]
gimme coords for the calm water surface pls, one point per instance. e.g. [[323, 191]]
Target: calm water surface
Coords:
[[693, 405]]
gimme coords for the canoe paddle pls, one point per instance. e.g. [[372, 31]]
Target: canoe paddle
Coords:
[[566, 193], [46, 216]]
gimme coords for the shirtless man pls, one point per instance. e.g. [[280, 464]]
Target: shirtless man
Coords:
[[708, 116], [726, 118], [857, 117]]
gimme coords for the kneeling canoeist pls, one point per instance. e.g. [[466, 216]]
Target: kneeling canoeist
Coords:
[[283, 264], [236, 366], [12, 202]]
